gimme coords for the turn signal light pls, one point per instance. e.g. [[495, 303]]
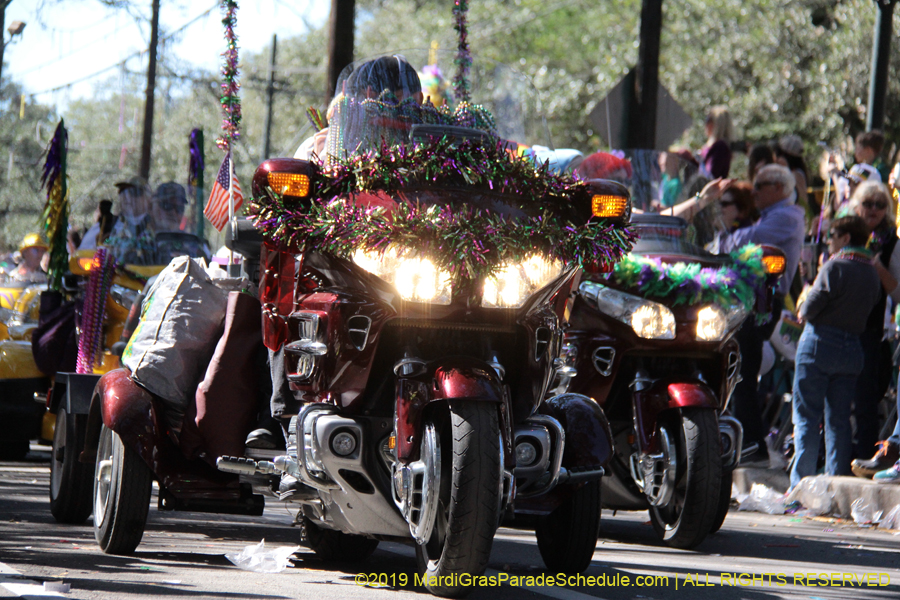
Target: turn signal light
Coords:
[[289, 184], [608, 206], [81, 265], [774, 264]]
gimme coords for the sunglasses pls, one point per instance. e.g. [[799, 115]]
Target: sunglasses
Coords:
[[869, 204], [761, 184]]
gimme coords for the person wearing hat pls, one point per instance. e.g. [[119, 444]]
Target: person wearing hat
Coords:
[[133, 243], [32, 250], [167, 206]]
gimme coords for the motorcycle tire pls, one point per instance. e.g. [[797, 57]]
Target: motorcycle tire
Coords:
[[724, 501], [469, 497], [687, 518], [336, 545], [71, 481], [122, 487], [567, 537]]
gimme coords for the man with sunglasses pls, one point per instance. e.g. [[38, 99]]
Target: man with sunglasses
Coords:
[[781, 224]]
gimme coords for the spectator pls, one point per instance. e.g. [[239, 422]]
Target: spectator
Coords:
[[715, 156], [789, 153], [872, 202], [867, 151], [781, 224], [829, 358], [759, 156], [738, 208]]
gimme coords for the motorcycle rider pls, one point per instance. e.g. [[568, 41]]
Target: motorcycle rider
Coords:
[[32, 251]]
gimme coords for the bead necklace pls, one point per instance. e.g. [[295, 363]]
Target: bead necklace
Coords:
[[855, 254]]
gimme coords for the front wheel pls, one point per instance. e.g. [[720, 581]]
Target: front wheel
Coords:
[[122, 485], [71, 486], [687, 518], [567, 537], [468, 498]]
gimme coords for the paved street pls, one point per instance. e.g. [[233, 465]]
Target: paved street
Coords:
[[755, 556]]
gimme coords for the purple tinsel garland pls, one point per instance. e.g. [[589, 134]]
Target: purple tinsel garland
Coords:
[[103, 268], [231, 101], [196, 164]]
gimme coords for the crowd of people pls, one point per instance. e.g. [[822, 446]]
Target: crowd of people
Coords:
[[842, 293]]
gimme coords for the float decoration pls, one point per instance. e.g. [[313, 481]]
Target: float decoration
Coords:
[[103, 269], [740, 283], [463, 56], [230, 100], [55, 216], [468, 243]]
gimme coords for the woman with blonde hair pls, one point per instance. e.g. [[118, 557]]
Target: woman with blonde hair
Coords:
[[871, 200], [715, 156]]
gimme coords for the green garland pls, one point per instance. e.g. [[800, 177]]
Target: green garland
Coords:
[[740, 283], [468, 242]]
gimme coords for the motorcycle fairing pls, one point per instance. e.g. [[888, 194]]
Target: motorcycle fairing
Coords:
[[663, 395], [588, 435]]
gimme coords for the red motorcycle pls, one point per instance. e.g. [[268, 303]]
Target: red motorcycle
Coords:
[[415, 282], [653, 343]]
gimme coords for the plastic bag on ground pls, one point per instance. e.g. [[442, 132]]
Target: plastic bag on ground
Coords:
[[762, 499], [259, 560], [864, 513], [814, 494], [892, 519]]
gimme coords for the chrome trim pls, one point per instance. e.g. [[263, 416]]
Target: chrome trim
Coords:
[[352, 328], [550, 477], [654, 474], [604, 364], [732, 429], [416, 487]]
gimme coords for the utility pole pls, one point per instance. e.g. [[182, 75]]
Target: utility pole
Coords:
[[642, 113], [340, 41], [147, 141], [881, 59], [270, 99]]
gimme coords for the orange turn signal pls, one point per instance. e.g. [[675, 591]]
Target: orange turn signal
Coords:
[[81, 265], [608, 206], [289, 184], [774, 264]]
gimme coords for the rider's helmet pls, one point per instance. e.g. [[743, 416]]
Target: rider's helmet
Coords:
[[33, 240]]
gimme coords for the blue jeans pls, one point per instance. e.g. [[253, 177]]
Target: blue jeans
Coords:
[[827, 364], [895, 437]]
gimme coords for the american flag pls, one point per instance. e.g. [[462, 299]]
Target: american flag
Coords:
[[216, 210]]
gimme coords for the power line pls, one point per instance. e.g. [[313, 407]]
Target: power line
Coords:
[[129, 57]]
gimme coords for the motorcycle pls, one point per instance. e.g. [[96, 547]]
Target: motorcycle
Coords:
[[418, 364], [67, 404], [653, 343]]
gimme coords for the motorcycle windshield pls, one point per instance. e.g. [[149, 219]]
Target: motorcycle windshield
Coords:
[[408, 97], [660, 181]]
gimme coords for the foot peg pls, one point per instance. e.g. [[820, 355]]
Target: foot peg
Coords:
[[248, 466]]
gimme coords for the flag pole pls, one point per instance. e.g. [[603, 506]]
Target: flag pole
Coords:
[[231, 207]]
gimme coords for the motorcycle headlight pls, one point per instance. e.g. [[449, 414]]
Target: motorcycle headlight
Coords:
[[513, 284], [415, 277], [648, 319], [712, 324]]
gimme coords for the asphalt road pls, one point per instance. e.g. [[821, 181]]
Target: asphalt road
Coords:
[[182, 557]]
